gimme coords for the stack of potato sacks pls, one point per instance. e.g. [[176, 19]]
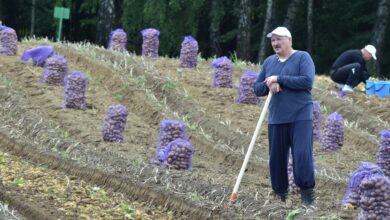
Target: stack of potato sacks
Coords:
[[369, 189], [173, 149]]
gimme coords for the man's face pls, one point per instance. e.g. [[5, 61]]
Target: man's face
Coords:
[[366, 55], [281, 45]]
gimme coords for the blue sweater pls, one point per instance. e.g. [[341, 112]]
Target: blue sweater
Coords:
[[296, 77]]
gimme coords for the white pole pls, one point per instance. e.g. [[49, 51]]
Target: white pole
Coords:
[[250, 148]]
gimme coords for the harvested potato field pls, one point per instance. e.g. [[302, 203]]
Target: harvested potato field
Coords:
[[62, 167]]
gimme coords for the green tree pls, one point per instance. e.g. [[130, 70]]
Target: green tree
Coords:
[[175, 19], [133, 22]]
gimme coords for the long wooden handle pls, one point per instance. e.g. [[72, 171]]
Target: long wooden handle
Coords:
[[250, 148]]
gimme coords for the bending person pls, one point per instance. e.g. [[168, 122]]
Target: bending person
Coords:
[[350, 69]]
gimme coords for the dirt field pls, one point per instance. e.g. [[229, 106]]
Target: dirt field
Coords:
[[70, 140]]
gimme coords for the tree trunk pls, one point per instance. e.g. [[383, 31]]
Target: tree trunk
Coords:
[[32, 18], [106, 20], [216, 15], [380, 31], [291, 13], [310, 26], [244, 30], [75, 27], [266, 29]]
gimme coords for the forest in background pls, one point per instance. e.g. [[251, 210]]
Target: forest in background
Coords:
[[233, 28]]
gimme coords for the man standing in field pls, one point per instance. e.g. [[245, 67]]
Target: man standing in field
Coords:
[[289, 75], [350, 69]]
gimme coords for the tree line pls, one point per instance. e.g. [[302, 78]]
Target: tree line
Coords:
[[221, 27]]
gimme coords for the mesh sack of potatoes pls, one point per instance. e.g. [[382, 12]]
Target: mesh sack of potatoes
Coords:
[[8, 41], [246, 94], [150, 42], [375, 198], [223, 72], [117, 40], [56, 68], [352, 196], [170, 130], [333, 136], [317, 118], [74, 91], [114, 123], [383, 157], [178, 155], [189, 52], [290, 171]]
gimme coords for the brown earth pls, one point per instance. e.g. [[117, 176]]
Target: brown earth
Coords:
[[220, 129], [49, 194]]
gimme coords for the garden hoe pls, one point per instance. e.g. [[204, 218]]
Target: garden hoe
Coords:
[[250, 148]]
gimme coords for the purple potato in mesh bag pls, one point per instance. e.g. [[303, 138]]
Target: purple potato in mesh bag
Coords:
[[170, 130], [353, 194], [114, 123], [118, 40], [150, 42], [383, 156], [178, 155], [56, 68], [223, 72], [74, 91], [189, 52], [374, 198], [333, 137], [317, 118], [38, 55], [290, 170], [8, 41], [291, 180], [246, 94]]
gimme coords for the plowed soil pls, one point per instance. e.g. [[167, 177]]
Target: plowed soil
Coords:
[[156, 89]]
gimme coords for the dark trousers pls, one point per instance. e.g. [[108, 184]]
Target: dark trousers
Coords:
[[299, 136], [350, 74]]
